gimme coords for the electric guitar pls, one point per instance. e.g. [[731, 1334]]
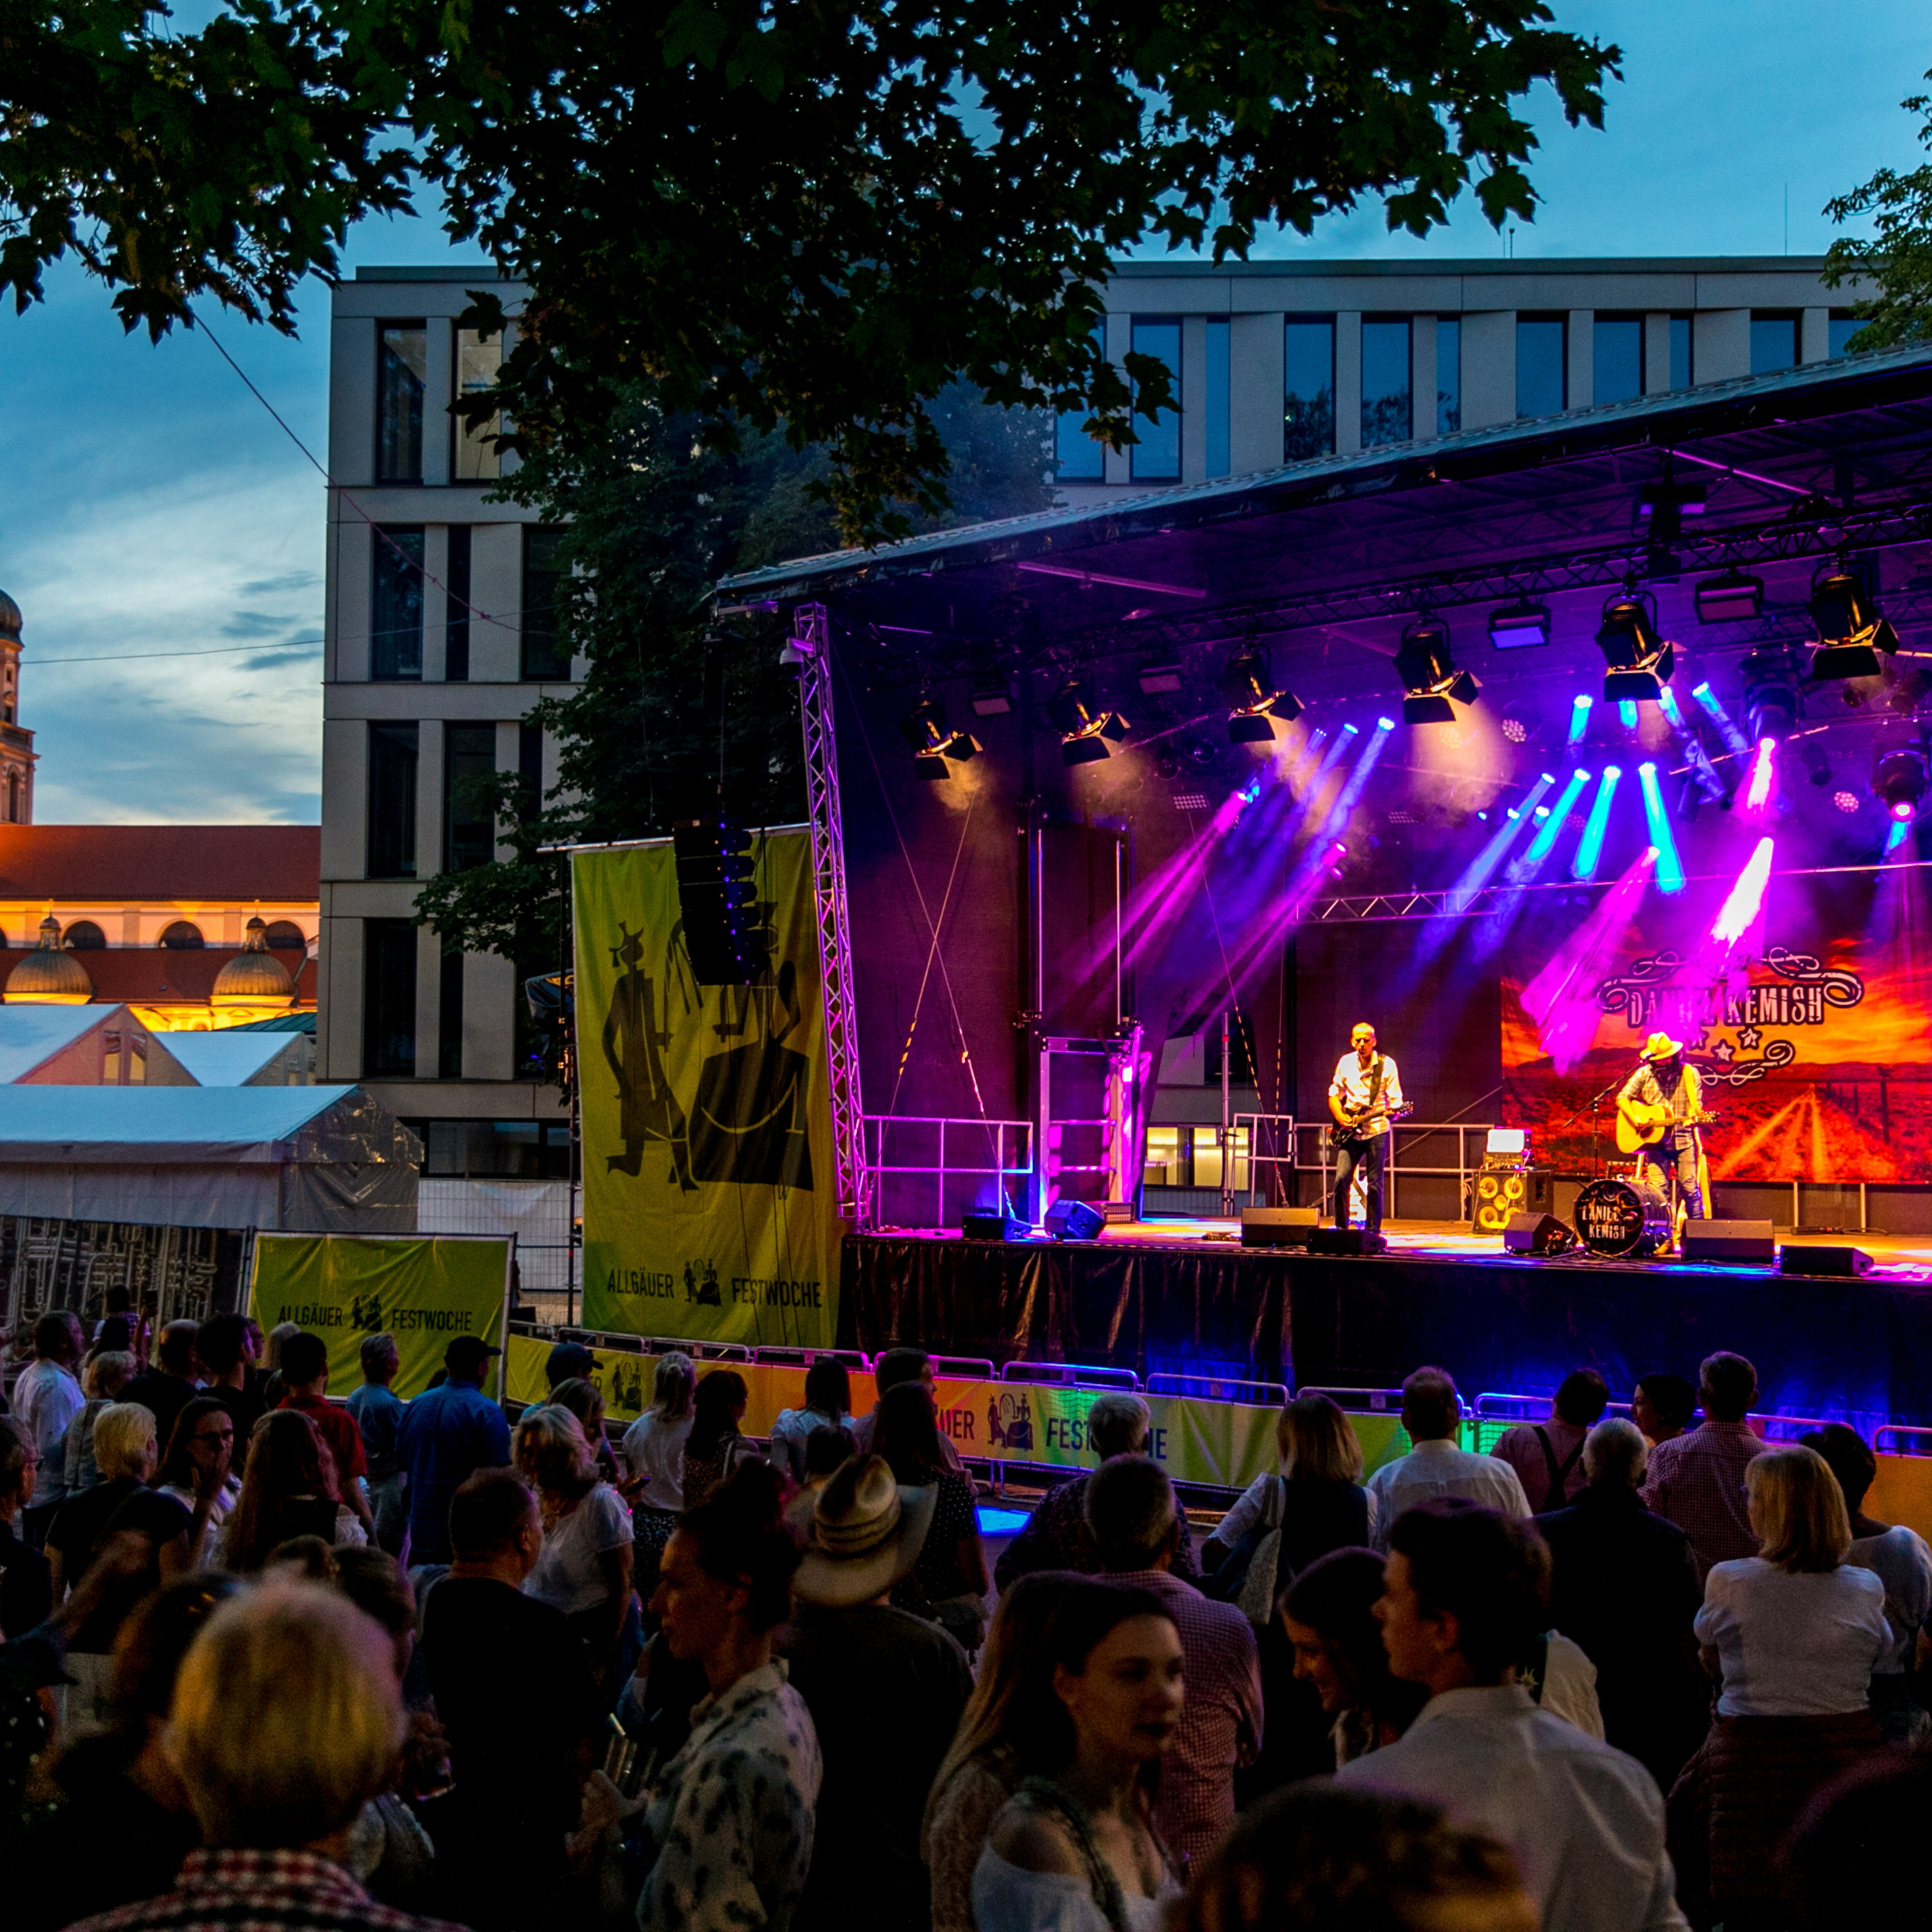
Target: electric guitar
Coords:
[[1335, 1137], [1640, 1125]]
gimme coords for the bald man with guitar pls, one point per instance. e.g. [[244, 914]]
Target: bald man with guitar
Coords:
[[1660, 1109], [1364, 1097]]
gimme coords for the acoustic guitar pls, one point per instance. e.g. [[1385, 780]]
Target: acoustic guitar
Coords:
[[1640, 1125]]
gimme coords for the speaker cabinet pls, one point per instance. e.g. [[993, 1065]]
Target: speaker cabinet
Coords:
[[1073, 1221], [1751, 1241], [992, 1228], [1843, 1262], [1538, 1234], [1279, 1227], [1353, 1242], [1501, 1194]]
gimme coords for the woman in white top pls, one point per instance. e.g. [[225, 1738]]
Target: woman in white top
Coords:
[[203, 1436], [585, 1568], [653, 1450], [828, 1405], [1074, 1849]]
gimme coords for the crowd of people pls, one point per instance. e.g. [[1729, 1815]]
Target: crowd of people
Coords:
[[275, 1658]]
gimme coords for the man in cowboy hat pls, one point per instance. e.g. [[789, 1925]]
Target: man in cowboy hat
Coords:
[[1663, 1079], [885, 1689]]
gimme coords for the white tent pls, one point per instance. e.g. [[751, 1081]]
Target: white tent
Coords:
[[84, 1046], [317, 1159], [241, 1056]]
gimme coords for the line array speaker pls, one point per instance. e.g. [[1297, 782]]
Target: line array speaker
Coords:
[[717, 901]]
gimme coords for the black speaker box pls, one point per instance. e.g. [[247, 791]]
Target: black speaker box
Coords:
[[1538, 1234], [1073, 1221], [1500, 1193], [1351, 1241], [1729, 1241], [1842, 1261], [994, 1227], [1279, 1227]]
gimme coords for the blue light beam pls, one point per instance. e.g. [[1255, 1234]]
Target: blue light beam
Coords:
[[1526, 868], [1712, 703], [1579, 718], [1590, 847], [1670, 866]]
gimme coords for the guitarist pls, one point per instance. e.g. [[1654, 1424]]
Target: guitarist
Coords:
[[1365, 1086], [1662, 1079]]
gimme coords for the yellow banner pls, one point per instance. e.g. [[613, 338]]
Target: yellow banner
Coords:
[[425, 1290], [709, 1198]]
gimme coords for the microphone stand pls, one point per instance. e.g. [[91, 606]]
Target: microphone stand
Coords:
[[1595, 1104]]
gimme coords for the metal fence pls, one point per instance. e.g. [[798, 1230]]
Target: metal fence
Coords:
[[537, 1213], [1278, 1141]]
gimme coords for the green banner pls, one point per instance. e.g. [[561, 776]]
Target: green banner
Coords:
[[709, 1197], [423, 1289]]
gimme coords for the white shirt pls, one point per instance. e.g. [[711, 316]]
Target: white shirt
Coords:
[[1901, 1561], [1432, 1470], [1793, 1644], [569, 1574], [1585, 1821], [654, 1450], [1351, 1084], [45, 1400], [1258, 1507], [1007, 1897], [1569, 1685]]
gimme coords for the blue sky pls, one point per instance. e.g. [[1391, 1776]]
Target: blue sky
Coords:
[[149, 504]]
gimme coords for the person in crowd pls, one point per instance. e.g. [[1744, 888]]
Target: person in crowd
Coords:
[[46, 1398], [514, 1690], [1079, 1845], [285, 1722], [1662, 1405], [715, 1448], [1623, 1585], [1857, 1858], [729, 1829], [885, 1689], [122, 1774], [116, 1305], [1793, 1634], [1432, 1413], [949, 1580], [272, 1385], [893, 1367], [1465, 1597], [826, 1451], [202, 1445], [103, 1378], [305, 1388], [1328, 1614], [1548, 1456], [1899, 1558], [1320, 1859], [978, 1774], [164, 1388], [585, 1568], [828, 1404], [1056, 1537], [376, 1411], [226, 1348], [653, 1450], [1698, 1479], [1132, 1513], [446, 1435], [585, 1400], [26, 1581], [289, 1488], [569, 1361]]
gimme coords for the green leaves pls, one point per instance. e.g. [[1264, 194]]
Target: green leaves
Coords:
[[1898, 256]]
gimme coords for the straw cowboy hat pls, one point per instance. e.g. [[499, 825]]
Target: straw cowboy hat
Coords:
[[1660, 1046], [866, 1531]]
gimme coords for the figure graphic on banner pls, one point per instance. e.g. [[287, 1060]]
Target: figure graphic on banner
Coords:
[[634, 1045], [366, 1316], [701, 1284], [627, 1386], [751, 1122], [1009, 1423]]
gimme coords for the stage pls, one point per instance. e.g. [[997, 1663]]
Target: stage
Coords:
[[1184, 1298]]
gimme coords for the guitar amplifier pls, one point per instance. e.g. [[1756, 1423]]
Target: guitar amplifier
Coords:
[[1500, 1194]]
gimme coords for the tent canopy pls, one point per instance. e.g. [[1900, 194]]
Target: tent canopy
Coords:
[[234, 1058], [31, 1035]]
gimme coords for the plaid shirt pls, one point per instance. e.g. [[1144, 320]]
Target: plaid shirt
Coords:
[[219, 1891], [1698, 1481], [1056, 1538]]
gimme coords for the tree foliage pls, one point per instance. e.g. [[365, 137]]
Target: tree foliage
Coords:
[[1897, 255]]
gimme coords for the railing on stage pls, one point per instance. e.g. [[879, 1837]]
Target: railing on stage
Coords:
[[1275, 1140], [1010, 1143]]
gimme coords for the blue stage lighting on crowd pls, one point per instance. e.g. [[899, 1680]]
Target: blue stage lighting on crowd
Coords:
[[1590, 847], [1670, 866], [1579, 717]]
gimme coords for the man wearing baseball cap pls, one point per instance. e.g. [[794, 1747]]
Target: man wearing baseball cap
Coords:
[[446, 1435]]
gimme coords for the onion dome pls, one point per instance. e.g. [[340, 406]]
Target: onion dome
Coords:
[[254, 976], [9, 619], [49, 975]]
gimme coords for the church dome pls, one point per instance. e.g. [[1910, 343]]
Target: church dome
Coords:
[[9, 618], [49, 975], [254, 976]]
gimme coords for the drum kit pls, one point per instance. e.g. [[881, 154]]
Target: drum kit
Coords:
[[1627, 1217]]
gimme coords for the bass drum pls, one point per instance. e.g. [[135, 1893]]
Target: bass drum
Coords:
[[1626, 1219]]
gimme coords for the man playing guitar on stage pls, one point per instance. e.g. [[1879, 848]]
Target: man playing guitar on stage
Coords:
[[1366, 1089], [1660, 1107]]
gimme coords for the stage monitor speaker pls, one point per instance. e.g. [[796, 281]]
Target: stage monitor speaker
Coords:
[[1073, 1221], [1538, 1234], [1730, 1241], [994, 1227], [1279, 1227], [1501, 1193], [1350, 1241], [1842, 1261]]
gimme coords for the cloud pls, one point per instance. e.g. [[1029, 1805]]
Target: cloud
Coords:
[[275, 660], [252, 624]]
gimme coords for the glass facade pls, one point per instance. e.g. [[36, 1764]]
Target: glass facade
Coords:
[[1078, 457], [472, 454], [402, 372], [1308, 411], [1156, 458], [1217, 401], [388, 999], [529, 770], [1840, 328], [1617, 355], [494, 1149], [396, 601], [1387, 415], [393, 758], [1683, 372], [456, 606], [449, 1018], [1774, 342], [469, 817], [1448, 374], [544, 655], [1542, 358]]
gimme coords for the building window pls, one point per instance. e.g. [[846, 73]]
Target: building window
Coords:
[[392, 801], [1156, 458], [1219, 462], [495, 1149], [529, 772], [469, 811], [1618, 356], [456, 606], [283, 935], [402, 369], [1839, 327], [396, 601], [14, 815], [1448, 374], [1387, 388], [389, 998], [545, 656], [472, 457], [84, 936], [1078, 458], [1308, 410], [181, 936], [1683, 372], [449, 1018], [1206, 1158], [1541, 345], [1162, 1166], [1774, 342]]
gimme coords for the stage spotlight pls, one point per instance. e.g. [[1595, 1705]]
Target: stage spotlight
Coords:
[[993, 696], [1432, 686], [1254, 704], [1662, 507], [1899, 779], [1847, 802], [1520, 720], [1087, 737], [1513, 627], [1158, 674], [1730, 599], [1639, 662], [1817, 762], [1770, 696], [1851, 633], [934, 749], [1579, 717]]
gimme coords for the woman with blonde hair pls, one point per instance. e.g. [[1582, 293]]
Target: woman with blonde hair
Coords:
[[103, 1378], [653, 1451], [586, 1565], [289, 1488], [1793, 1634]]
